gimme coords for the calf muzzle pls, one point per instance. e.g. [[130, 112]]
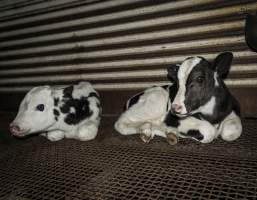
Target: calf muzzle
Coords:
[[176, 108], [15, 129]]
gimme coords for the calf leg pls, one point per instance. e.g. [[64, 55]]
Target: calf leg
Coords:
[[145, 131], [231, 127], [171, 138], [170, 133], [199, 130], [55, 135], [125, 127], [87, 131], [150, 107]]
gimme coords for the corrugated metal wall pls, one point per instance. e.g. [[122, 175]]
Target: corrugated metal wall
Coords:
[[119, 45]]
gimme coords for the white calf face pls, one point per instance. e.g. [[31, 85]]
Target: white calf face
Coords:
[[35, 112], [183, 73]]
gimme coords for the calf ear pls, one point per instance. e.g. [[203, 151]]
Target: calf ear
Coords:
[[222, 64], [173, 72]]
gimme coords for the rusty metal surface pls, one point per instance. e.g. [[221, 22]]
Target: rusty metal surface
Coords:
[[118, 45], [118, 167]]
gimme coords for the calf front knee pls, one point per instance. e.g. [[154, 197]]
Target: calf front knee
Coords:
[[87, 132], [208, 132], [231, 131]]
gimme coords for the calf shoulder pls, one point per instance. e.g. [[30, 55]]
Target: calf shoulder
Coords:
[[77, 103]]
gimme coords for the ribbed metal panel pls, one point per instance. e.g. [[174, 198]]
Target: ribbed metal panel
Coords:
[[118, 45]]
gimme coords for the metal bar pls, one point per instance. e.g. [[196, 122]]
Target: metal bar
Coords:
[[243, 68], [117, 15], [250, 82], [235, 69], [138, 24], [98, 76], [32, 8], [93, 76], [135, 63], [179, 32], [240, 83], [71, 11], [4, 5], [175, 46]]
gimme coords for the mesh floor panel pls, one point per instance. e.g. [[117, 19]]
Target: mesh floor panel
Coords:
[[118, 167]]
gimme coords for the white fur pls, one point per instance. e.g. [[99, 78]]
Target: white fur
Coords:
[[30, 120], [215, 79], [72, 110], [149, 111], [87, 130], [184, 70], [82, 89], [231, 127], [54, 135], [208, 131], [208, 108]]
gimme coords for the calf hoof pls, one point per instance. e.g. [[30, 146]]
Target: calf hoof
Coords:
[[172, 138], [145, 138]]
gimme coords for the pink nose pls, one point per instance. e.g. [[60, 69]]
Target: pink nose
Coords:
[[14, 129], [176, 108]]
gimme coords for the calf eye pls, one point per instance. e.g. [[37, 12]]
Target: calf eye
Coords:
[[40, 107], [200, 79]]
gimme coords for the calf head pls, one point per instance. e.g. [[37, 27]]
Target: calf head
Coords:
[[196, 80], [35, 112]]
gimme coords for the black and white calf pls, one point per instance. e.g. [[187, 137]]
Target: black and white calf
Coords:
[[71, 112], [198, 105]]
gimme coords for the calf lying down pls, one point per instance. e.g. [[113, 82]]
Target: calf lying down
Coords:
[[71, 112], [197, 105]]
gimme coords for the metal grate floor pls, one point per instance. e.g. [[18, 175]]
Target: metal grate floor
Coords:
[[118, 167]]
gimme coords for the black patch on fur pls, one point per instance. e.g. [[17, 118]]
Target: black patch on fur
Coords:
[[171, 120], [56, 101], [172, 90], [67, 92], [173, 73], [195, 134], [133, 100], [82, 110], [56, 114], [93, 94], [197, 116], [198, 94], [165, 87], [167, 107]]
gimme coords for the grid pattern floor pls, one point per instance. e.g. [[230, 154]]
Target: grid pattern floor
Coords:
[[118, 167]]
